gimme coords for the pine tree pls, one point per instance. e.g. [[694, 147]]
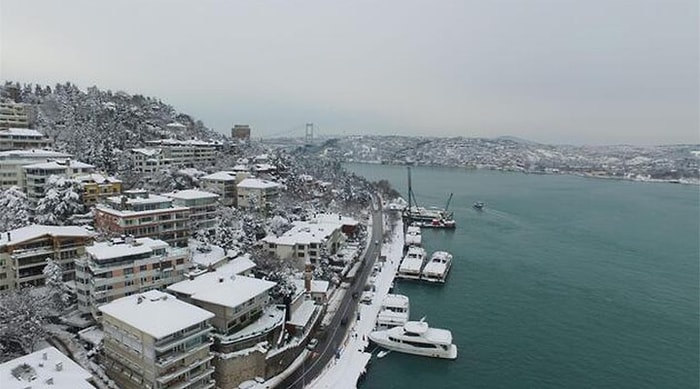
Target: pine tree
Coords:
[[14, 209], [61, 201]]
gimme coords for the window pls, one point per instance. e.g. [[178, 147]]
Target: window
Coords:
[[143, 268], [180, 261], [300, 255]]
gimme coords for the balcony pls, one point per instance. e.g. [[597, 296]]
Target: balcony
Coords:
[[167, 360], [186, 383], [165, 378], [173, 341]]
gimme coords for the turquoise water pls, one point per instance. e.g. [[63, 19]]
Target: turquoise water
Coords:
[[561, 282]]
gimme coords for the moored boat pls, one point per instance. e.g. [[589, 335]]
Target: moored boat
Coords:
[[416, 337], [412, 263], [479, 205], [394, 312], [438, 267]]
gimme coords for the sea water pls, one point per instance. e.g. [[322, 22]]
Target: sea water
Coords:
[[560, 282]]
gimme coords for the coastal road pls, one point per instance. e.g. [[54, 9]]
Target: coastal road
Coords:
[[331, 340]]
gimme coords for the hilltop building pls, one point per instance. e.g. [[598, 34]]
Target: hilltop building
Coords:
[[140, 214], [254, 193], [35, 175], [13, 115], [24, 251], [122, 267], [12, 161], [224, 183], [97, 187], [241, 132], [164, 153], [23, 139], [202, 207], [306, 242], [153, 340]]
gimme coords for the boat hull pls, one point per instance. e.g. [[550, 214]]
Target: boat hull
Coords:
[[381, 339]]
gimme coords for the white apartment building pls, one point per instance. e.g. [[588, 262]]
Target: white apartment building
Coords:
[[47, 368], [140, 214], [223, 183], [254, 193], [170, 152], [36, 175], [306, 242], [155, 341], [11, 162], [149, 160], [202, 207], [122, 267], [243, 320], [13, 115], [23, 253], [23, 139]]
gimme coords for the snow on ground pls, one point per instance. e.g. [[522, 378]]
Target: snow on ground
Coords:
[[345, 371]]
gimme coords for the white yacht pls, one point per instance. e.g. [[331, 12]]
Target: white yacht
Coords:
[[437, 268], [413, 236], [394, 312], [412, 263], [416, 337]]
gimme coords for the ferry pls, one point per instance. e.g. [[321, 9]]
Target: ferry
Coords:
[[394, 312], [413, 236], [412, 263], [437, 268], [416, 337]]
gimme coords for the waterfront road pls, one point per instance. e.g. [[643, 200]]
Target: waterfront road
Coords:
[[331, 338]]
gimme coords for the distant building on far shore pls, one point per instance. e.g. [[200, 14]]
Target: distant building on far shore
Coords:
[[241, 132]]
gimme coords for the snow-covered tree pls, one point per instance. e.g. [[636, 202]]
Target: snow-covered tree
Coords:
[[54, 282], [22, 318], [14, 209], [61, 201]]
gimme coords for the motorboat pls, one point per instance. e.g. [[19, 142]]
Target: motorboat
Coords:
[[479, 205], [394, 312], [416, 337], [413, 236], [437, 268], [412, 263]]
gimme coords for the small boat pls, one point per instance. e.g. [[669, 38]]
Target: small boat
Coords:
[[479, 205], [394, 312], [416, 337], [438, 267], [412, 263], [383, 353]]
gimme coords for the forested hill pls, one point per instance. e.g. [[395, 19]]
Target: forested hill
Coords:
[[95, 125]]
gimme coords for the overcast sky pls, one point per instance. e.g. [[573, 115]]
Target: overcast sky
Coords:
[[558, 71]]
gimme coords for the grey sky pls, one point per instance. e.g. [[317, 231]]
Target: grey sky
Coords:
[[562, 71]]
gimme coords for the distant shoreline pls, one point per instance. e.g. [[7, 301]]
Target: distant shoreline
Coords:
[[682, 181]]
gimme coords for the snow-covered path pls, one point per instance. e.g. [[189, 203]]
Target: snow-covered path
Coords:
[[346, 370]]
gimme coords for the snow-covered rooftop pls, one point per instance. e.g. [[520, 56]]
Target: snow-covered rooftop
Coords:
[[336, 218], [151, 199], [264, 167], [256, 183], [60, 165], [36, 230], [191, 194], [239, 265], [302, 315], [40, 369], [22, 132], [317, 286], [149, 152], [108, 250], [32, 153], [206, 257], [304, 233], [223, 288], [97, 178], [221, 176], [155, 313]]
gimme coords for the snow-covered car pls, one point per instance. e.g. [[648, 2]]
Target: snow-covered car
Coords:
[[312, 344]]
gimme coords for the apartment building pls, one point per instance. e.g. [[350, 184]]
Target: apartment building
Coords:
[[36, 175], [46, 368], [243, 321], [155, 341], [254, 193], [23, 139], [24, 251], [122, 267], [13, 115], [97, 187], [306, 242], [223, 183], [164, 153], [148, 160], [12, 161], [202, 207], [140, 214]]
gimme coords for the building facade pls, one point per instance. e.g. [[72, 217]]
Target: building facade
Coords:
[[140, 214], [36, 175], [122, 267], [12, 161], [155, 341], [24, 252], [306, 242], [23, 139], [97, 187], [254, 193], [13, 115], [222, 183], [202, 207]]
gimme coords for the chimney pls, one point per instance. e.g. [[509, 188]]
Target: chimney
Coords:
[[44, 356], [139, 300], [221, 279], [59, 366]]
